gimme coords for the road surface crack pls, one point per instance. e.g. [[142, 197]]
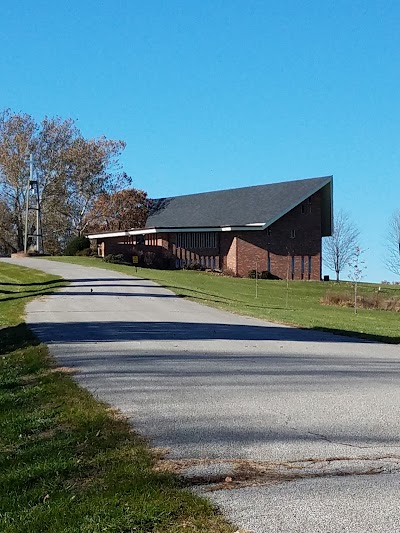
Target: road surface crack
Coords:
[[339, 443]]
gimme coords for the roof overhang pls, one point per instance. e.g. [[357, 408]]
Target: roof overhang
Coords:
[[148, 231], [127, 233]]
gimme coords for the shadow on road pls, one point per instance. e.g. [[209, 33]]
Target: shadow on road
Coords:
[[81, 332]]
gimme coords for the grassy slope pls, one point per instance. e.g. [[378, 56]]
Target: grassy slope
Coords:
[[303, 300], [67, 464]]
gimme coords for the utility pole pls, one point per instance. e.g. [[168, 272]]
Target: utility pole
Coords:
[[33, 187]]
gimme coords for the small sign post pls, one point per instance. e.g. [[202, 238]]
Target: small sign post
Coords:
[[256, 278], [135, 261]]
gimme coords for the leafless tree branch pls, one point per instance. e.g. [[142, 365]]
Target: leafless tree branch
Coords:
[[339, 249], [392, 259]]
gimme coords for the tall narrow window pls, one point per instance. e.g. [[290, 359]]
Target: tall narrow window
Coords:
[[293, 265], [292, 233], [302, 267], [309, 266], [269, 262]]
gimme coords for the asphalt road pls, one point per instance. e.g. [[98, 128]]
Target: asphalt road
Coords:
[[306, 424]]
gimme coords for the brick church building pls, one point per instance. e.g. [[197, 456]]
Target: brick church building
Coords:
[[276, 227]]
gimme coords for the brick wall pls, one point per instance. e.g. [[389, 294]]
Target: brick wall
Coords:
[[228, 252], [274, 248]]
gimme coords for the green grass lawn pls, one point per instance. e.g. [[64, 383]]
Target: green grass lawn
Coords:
[[299, 305], [68, 463]]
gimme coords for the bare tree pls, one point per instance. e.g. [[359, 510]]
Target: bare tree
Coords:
[[357, 269], [339, 249], [392, 259]]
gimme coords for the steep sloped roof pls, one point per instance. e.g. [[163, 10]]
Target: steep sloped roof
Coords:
[[239, 207]]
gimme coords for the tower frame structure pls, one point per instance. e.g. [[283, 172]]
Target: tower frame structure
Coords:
[[33, 204]]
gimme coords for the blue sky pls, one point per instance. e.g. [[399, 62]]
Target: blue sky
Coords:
[[219, 94]]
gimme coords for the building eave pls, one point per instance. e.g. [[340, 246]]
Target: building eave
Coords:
[[255, 226]]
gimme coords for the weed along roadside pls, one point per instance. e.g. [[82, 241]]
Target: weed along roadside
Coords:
[[68, 462], [305, 304]]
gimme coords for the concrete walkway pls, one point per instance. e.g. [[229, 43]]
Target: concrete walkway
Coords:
[[289, 418]]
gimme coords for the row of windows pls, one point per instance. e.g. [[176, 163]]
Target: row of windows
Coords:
[[197, 240], [302, 262], [151, 239], [293, 265], [205, 262], [183, 240]]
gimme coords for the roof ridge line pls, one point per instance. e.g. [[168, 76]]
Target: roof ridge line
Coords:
[[241, 188]]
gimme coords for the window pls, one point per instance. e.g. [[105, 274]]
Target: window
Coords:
[[151, 239], [293, 266], [302, 267], [269, 262], [303, 208], [269, 231], [309, 266], [196, 240], [292, 233]]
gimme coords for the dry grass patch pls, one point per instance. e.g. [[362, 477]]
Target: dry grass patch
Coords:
[[375, 301]]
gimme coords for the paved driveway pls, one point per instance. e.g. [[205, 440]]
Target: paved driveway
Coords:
[[292, 416]]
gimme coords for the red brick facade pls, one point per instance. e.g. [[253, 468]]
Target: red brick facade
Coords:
[[291, 246]]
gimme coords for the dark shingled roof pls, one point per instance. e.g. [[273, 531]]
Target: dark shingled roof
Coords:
[[238, 207]]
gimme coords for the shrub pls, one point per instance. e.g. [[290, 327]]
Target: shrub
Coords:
[[264, 274], [229, 272], [118, 259], [76, 245], [87, 252], [195, 266], [342, 299], [157, 260], [375, 301]]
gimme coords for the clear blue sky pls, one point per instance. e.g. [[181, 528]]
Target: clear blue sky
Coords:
[[216, 94]]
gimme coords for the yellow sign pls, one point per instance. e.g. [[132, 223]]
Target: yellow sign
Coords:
[[135, 259]]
